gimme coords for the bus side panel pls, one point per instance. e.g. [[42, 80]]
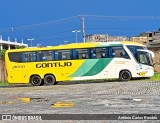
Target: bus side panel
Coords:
[[15, 76], [101, 69]]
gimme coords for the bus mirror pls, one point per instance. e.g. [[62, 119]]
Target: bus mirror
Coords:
[[152, 54]]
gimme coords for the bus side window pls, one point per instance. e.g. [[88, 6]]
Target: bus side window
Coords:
[[56, 55], [83, 53], [41, 56], [103, 55], [71, 54], [101, 52], [75, 54], [83, 56], [119, 52], [89, 53], [27, 56], [93, 53], [33, 56], [113, 53], [53, 55], [24, 59]]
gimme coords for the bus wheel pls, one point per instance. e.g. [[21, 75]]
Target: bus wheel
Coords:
[[125, 75], [36, 80], [49, 80]]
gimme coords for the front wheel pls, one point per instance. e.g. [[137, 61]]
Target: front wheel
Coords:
[[49, 80], [36, 80], [125, 75]]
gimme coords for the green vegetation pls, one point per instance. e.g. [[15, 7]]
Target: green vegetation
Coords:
[[20, 47], [2, 53], [4, 84], [155, 77]]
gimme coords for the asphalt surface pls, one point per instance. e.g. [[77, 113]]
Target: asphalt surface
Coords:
[[134, 97]]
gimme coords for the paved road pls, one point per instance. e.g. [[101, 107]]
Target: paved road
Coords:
[[137, 97]]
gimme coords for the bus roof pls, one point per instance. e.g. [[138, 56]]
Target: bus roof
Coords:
[[132, 43], [79, 45]]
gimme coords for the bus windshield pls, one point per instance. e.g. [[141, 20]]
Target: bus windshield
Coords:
[[145, 58]]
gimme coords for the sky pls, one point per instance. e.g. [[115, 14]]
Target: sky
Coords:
[[51, 22]]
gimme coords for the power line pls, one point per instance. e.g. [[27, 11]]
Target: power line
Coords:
[[119, 28], [123, 17], [39, 25]]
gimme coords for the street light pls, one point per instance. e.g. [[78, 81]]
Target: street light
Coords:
[[65, 42], [76, 31], [31, 39]]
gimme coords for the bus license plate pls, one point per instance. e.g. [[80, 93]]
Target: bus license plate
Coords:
[[142, 73]]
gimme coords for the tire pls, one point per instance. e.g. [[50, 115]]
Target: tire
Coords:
[[49, 80], [36, 80], [125, 75]]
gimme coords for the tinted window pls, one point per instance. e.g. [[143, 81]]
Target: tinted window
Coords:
[[99, 53], [133, 49], [144, 58], [119, 52], [62, 55], [44, 55], [29, 56], [15, 56], [83, 53]]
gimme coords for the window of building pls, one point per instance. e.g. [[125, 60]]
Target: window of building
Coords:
[[150, 34]]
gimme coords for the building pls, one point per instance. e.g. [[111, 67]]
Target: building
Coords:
[[118, 38], [10, 45], [139, 39], [96, 38], [104, 38], [153, 38]]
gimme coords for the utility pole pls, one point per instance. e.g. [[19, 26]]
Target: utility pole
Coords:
[[107, 37], [83, 29]]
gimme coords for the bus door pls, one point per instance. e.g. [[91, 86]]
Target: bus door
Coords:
[[120, 59]]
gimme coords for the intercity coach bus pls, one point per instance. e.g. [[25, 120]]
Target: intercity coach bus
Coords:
[[78, 61]]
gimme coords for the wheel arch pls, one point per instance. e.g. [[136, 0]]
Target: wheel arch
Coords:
[[55, 81], [125, 70], [122, 73], [32, 76], [50, 74]]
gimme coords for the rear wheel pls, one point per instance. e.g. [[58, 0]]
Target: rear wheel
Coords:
[[125, 75], [36, 80], [49, 80]]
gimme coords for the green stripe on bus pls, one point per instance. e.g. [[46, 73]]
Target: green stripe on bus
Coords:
[[85, 67], [98, 67]]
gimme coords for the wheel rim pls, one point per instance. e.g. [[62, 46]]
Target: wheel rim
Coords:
[[49, 80], [36, 80], [125, 76]]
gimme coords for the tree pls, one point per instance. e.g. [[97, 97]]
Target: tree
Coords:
[[2, 53], [20, 47]]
